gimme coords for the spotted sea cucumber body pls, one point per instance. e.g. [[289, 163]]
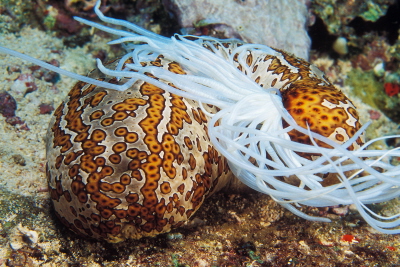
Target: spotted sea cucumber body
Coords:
[[139, 162], [130, 164]]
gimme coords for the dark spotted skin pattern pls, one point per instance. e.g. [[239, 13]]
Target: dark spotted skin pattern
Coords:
[[130, 164], [139, 163]]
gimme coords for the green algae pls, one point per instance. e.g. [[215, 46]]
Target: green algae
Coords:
[[371, 91], [373, 13], [49, 21], [366, 87]]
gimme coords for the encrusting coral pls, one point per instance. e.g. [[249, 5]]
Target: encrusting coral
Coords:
[[140, 142]]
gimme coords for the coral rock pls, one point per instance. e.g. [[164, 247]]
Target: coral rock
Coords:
[[280, 24]]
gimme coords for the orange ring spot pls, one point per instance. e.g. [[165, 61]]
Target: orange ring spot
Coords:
[[105, 187], [107, 171], [120, 213], [132, 198], [88, 166], [73, 171], [131, 137], [100, 161], [132, 153], [135, 101], [165, 188], [107, 122], [98, 135], [118, 188], [125, 179], [97, 150], [82, 197], [120, 116], [92, 188], [81, 137], [96, 115], [121, 131], [115, 158], [119, 147]]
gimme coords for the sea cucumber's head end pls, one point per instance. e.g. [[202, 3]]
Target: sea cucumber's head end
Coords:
[[325, 110]]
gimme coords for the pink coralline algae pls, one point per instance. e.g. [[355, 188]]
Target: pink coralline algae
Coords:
[[45, 108], [280, 24], [374, 114], [8, 105]]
